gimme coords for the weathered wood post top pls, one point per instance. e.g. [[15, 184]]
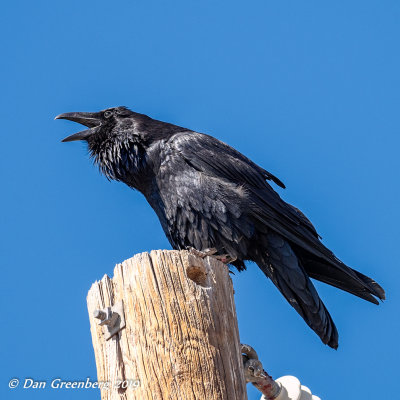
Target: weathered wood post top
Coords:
[[171, 330]]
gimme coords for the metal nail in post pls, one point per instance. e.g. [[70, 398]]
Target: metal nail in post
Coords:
[[111, 318]]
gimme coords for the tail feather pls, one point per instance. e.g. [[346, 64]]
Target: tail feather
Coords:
[[290, 268], [285, 270], [344, 278], [376, 289], [308, 304]]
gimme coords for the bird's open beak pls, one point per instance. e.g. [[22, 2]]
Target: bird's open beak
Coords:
[[91, 120]]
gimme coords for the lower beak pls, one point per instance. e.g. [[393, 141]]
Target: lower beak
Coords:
[[91, 120], [83, 135]]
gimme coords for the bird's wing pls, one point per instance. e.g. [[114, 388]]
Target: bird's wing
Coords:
[[194, 211], [267, 211], [215, 158], [232, 165]]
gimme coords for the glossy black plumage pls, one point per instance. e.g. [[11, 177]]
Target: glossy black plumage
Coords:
[[208, 195]]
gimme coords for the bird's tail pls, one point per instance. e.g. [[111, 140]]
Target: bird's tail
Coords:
[[285, 270], [343, 277]]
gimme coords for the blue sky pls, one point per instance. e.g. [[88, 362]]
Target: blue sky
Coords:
[[309, 90]]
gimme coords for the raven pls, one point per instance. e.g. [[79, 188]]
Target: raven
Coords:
[[208, 196]]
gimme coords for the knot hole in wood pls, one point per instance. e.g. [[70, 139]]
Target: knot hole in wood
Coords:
[[197, 273]]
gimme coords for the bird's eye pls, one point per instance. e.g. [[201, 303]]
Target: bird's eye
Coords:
[[107, 114]]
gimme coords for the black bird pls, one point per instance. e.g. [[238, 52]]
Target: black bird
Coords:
[[207, 195]]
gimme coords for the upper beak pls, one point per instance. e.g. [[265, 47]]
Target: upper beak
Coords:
[[90, 120]]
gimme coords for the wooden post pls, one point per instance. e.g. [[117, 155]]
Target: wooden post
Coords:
[[181, 338]]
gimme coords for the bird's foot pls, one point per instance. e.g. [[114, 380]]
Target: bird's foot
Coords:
[[210, 252], [225, 258], [201, 253]]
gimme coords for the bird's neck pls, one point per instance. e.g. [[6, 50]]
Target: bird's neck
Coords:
[[124, 161]]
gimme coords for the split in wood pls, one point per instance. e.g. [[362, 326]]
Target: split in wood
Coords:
[[254, 373]]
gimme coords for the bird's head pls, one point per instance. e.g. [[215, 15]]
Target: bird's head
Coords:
[[118, 138], [115, 138]]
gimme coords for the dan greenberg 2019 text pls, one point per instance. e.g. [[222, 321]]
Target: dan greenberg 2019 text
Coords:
[[58, 383]]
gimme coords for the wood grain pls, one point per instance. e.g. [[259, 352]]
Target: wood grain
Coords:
[[181, 338]]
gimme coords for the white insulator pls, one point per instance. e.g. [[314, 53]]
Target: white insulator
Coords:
[[293, 390]]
